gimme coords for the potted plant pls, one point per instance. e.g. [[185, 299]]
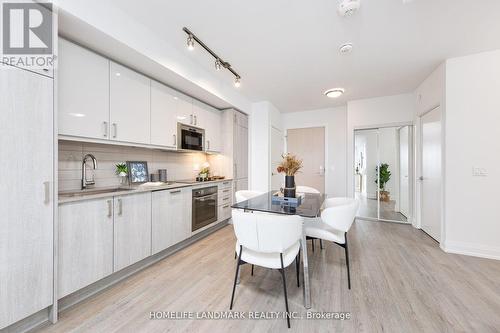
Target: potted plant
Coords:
[[121, 170], [290, 165], [384, 174], [204, 172]]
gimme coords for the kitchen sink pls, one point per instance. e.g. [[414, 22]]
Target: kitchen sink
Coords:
[[81, 193]]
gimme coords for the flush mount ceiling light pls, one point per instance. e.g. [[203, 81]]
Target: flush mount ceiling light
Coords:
[[348, 7], [219, 63], [334, 93], [345, 48]]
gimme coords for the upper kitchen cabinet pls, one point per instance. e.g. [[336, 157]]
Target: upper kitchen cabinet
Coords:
[[184, 113], [83, 92], [164, 115], [212, 120], [130, 102]]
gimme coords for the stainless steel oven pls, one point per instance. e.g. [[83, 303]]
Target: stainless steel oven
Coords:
[[204, 207], [190, 138]]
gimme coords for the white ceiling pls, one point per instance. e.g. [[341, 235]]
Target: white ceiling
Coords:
[[287, 50]]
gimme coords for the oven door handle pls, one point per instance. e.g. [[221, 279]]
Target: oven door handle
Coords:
[[206, 197]]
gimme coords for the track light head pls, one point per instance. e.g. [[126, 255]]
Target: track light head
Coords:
[[190, 43], [237, 82], [218, 64]]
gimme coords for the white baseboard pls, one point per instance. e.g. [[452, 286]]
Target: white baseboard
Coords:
[[475, 250]]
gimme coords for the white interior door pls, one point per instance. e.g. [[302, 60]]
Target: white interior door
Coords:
[[277, 147], [431, 173], [309, 145], [404, 171]]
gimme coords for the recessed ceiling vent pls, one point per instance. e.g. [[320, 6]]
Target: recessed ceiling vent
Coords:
[[349, 7]]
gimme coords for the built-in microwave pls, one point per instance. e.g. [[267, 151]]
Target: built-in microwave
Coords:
[[189, 137]]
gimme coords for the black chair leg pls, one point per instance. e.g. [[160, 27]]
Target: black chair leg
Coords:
[[252, 270], [297, 268], [236, 277], [347, 262], [321, 243], [282, 271]]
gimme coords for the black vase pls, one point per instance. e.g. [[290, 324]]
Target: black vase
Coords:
[[289, 190]]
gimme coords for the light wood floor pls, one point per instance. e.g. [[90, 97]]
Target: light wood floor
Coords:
[[401, 282]]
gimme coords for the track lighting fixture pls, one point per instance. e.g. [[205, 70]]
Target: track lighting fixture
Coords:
[[218, 65], [219, 62], [190, 43]]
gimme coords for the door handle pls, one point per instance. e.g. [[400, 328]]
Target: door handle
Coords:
[[191, 119], [175, 192], [208, 144], [115, 128], [175, 140], [120, 207], [105, 123], [421, 178], [110, 212], [46, 186], [195, 120]]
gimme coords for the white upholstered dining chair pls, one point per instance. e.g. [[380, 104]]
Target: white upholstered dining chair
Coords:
[[335, 222], [244, 195], [267, 240]]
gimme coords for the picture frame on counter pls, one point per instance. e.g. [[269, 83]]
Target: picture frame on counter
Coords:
[[137, 172]]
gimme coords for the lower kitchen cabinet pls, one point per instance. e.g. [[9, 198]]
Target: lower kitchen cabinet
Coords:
[[132, 229], [85, 243], [171, 217]]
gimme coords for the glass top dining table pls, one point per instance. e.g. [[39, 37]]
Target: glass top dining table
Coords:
[[310, 207]]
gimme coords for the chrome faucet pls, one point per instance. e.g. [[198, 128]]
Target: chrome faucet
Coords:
[[86, 182]]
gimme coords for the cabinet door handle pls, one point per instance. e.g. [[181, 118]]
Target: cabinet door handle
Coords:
[[208, 144], [110, 208], [175, 140], [115, 129], [225, 191], [120, 207], [226, 206], [195, 120], [235, 170], [105, 123], [191, 121], [175, 192], [46, 187]]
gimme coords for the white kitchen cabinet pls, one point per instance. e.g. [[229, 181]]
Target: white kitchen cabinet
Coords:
[[85, 243], [26, 194], [83, 92], [132, 229], [184, 113], [213, 136], [171, 217], [240, 153], [130, 112], [199, 114], [164, 113]]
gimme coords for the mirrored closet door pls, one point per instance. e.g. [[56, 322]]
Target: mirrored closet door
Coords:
[[383, 173]]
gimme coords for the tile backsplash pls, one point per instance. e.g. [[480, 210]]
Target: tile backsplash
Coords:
[[179, 165]]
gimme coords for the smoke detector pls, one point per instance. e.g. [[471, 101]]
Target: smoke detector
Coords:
[[345, 48], [349, 7]]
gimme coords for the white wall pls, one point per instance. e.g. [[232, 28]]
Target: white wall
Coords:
[[472, 140], [264, 115], [334, 121], [374, 112]]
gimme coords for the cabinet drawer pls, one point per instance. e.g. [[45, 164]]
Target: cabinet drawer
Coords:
[[224, 212], [224, 198], [225, 184]]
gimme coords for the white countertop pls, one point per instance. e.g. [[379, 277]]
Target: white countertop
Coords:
[[75, 195]]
